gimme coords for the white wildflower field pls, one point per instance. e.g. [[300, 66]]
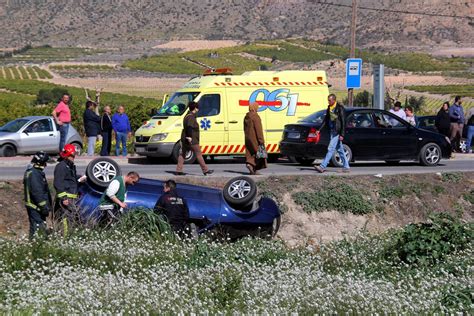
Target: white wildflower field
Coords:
[[112, 272]]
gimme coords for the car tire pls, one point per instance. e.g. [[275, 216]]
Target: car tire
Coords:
[[392, 162], [240, 192], [336, 161], [190, 155], [430, 154], [270, 231], [78, 148], [101, 171], [8, 150]]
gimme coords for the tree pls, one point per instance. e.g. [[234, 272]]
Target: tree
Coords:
[[416, 103], [46, 96]]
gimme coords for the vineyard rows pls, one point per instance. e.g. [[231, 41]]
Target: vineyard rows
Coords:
[[21, 72]]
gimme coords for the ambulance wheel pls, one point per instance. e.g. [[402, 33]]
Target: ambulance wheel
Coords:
[[101, 171], [189, 159]]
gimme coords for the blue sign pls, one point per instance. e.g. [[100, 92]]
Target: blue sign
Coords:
[[353, 73], [205, 124]]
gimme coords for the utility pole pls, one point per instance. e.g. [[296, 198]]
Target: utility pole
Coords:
[[350, 92]]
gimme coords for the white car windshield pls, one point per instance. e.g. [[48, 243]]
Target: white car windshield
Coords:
[[177, 104], [14, 126]]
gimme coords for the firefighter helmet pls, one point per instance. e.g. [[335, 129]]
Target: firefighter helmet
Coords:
[[40, 158], [68, 151]]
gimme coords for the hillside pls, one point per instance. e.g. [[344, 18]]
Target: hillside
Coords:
[[116, 23]]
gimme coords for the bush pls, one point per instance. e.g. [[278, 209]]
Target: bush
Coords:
[[46, 96], [342, 198], [427, 243]]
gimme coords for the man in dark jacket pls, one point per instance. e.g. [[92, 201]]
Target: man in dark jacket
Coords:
[[91, 126], [174, 208], [66, 182], [106, 130], [190, 141], [335, 122], [37, 196]]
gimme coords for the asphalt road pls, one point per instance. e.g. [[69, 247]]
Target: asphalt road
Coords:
[[231, 167]]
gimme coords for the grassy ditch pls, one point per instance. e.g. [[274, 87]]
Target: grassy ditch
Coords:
[[119, 271]]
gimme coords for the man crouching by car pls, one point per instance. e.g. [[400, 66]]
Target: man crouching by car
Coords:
[[116, 193], [174, 208]]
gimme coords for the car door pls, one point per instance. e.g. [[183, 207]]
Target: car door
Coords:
[[361, 135], [398, 138], [212, 123], [39, 135]]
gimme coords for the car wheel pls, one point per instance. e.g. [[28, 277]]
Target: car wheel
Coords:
[[240, 192], [189, 159], [463, 146], [336, 161], [392, 162], [78, 148], [430, 155], [8, 150], [270, 231], [101, 171]]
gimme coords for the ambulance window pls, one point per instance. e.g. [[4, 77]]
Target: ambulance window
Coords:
[[209, 105], [177, 104]]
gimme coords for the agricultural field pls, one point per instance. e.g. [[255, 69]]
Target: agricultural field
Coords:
[[24, 72], [46, 54], [462, 90], [253, 56], [414, 62], [241, 58]]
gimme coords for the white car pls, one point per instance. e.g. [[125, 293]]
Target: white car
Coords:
[[27, 135]]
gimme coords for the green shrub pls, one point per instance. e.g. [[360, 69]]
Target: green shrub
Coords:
[[143, 221], [341, 197], [452, 177], [469, 196], [427, 243]]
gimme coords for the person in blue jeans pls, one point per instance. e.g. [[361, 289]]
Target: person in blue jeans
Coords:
[[122, 129], [470, 129], [335, 122]]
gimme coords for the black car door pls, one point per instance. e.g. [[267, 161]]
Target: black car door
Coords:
[[397, 138], [360, 135]]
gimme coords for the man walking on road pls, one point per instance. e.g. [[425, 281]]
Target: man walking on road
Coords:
[[37, 196], [335, 122], [122, 129], [456, 114], [62, 116]]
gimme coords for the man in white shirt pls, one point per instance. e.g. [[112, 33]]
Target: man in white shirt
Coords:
[[397, 110]]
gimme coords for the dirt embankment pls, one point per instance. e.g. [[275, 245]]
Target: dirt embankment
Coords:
[[349, 204]]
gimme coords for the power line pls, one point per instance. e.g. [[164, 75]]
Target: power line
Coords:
[[396, 11]]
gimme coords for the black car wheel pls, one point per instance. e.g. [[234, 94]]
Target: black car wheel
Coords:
[[240, 192], [189, 158], [337, 161], [8, 150], [430, 154], [101, 171]]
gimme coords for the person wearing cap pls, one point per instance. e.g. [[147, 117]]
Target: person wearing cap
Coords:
[[190, 140], [66, 180], [37, 195]]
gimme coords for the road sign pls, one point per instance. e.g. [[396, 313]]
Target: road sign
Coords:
[[353, 73]]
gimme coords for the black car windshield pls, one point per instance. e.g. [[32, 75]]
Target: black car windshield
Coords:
[[14, 126], [315, 118], [177, 104]]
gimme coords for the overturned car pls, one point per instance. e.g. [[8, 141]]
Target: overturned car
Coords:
[[237, 210]]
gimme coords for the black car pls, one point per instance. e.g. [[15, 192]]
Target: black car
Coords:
[[371, 134]]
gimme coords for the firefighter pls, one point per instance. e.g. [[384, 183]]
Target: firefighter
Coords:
[[37, 196], [66, 181], [174, 208]]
